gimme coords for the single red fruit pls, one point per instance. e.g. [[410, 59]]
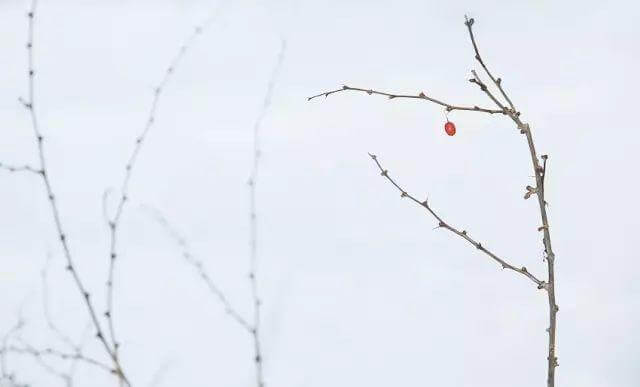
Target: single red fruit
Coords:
[[450, 128]]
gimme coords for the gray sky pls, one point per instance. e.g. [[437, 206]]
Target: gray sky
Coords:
[[358, 289]]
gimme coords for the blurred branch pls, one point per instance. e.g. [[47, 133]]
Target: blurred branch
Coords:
[[113, 223], [30, 105], [19, 168], [199, 267], [253, 233]]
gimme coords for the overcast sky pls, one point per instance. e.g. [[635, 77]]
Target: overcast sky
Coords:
[[358, 288]]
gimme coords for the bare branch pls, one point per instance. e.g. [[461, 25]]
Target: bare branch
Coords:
[[29, 105], [476, 79], [253, 233], [20, 168], [463, 234], [114, 222], [421, 96], [199, 267], [497, 81], [29, 350]]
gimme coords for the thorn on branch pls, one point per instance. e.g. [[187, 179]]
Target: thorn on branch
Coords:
[[544, 227]]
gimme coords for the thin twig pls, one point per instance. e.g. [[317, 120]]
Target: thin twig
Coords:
[[421, 95], [461, 233], [114, 222], [199, 267], [47, 310], [26, 349], [4, 368], [19, 168], [497, 81], [253, 233]]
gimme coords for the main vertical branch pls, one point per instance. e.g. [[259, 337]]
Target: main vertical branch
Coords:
[[29, 104], [253, 228], [539, 171]]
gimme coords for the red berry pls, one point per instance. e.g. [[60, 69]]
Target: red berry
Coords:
[[450, 128]]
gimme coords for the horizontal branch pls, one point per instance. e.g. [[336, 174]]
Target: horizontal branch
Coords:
[[50, 352], [463, 234], [421, 96], [19, 168]]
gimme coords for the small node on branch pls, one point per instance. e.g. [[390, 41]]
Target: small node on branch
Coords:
[[345, 87], [30, 15], [524, 269], [369, 91], [99, 335], [468, 22], [441, 224], [86, 295], [479, 246], [69, 268], [544, 227], [113, 256], [62, 237], [107, 314], [392, 96], [258, 359], [530, 191], [421, 95], [464, 232], [403, 194], [373, 156], [384, 173], [499, 81]]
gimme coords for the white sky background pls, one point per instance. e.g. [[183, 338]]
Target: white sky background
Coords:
[[358, 289]]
